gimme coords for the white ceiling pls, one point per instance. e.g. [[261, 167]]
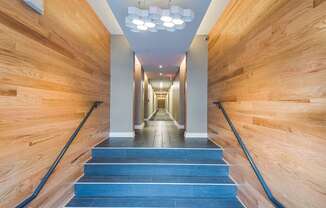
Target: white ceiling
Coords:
[[161, 48], [104, 12], [213, 13]]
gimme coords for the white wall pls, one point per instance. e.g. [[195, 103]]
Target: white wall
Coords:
[[139, 95], [182, 92], [122, 90], [174, 105], [176, 97], [196, 88], [148, 98], [150, 104], [155, 102]]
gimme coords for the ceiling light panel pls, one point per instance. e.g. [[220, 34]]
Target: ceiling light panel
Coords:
[[154, 18]]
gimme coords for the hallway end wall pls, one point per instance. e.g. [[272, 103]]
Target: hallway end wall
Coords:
[[267, 65], [52, 68]]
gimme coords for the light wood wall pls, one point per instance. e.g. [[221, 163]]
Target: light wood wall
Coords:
[[267, 63], [52, 68]]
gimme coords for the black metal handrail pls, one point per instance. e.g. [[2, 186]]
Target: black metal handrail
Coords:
[[268, 192], [45, 178]]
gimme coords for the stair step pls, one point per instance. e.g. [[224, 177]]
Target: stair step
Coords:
[[153, 202], [155, 166], [161, 153], [156, 161], [157, 179], [155, 186], [149, 143]]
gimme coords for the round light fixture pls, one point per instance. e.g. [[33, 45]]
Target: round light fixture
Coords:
[[138, 22], [142, 27], [168, 24], [160, 66], [150, 24], [178, 21], [166, 18]]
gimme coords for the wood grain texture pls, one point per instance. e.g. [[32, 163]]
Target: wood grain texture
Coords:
[[267, 63], [52, 67]]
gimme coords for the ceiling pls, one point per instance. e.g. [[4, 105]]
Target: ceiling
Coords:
[[161, 48], [104, 12], [161, 85], [158, 75], [156, 78]]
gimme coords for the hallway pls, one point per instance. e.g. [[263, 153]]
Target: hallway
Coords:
[[163, 103]]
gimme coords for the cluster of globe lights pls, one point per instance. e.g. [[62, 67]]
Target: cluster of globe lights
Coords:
[[155, 18]]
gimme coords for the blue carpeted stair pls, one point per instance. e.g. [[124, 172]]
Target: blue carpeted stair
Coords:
[[156, 177]]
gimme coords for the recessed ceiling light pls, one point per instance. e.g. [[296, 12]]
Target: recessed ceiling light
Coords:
[[160, 66]]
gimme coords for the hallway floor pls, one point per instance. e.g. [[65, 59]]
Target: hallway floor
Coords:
[[161, 115], [160, 134]]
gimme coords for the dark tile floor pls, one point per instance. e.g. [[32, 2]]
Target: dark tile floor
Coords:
[[159, 134], [161, 115]]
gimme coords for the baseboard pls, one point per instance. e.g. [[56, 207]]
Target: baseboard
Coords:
[[122, 134], [150, 116], [141, 126], [179, 126], [196, 135]]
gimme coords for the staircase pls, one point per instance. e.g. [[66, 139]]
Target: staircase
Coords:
[[156, 177]]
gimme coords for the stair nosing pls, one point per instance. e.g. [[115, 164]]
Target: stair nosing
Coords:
[[172, 163], [224, 180], [161, 148], [160, 183], [186, 164]]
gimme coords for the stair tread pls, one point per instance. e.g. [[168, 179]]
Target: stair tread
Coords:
[[176, 202], [156, 161], [144, 143], [158, 179]]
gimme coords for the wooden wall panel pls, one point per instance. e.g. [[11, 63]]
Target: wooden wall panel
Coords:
[[267, 62], [52, 67]]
